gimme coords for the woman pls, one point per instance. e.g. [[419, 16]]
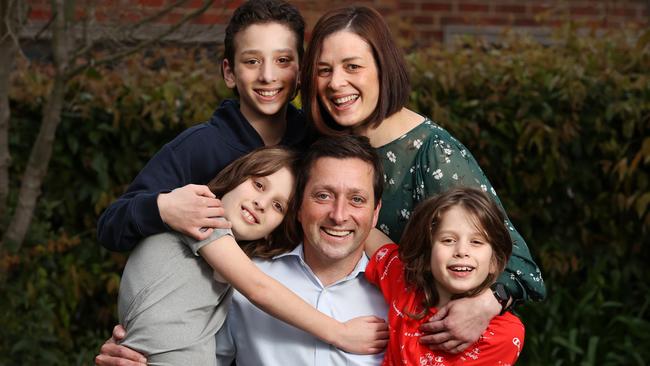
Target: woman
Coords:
[[355, 81]]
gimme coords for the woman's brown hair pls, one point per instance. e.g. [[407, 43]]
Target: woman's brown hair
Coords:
[[394, 84], [259, 163], [420, 232]]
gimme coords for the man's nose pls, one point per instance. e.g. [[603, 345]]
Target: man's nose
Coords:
[[339, 213]]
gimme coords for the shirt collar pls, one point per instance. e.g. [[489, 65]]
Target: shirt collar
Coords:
[[299, 253]]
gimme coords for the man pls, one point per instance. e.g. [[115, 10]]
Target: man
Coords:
[[337, 201]]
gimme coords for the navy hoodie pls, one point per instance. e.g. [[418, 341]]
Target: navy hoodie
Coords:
[[193, 157]]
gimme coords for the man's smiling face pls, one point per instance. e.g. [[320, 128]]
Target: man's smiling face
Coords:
[[338, 209]]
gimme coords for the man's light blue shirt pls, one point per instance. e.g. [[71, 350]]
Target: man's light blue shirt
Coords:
[[252, 337]]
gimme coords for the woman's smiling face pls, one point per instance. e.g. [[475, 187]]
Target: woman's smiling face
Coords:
[[348, 78]]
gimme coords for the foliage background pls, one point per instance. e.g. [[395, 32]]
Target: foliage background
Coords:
[[562, 132]]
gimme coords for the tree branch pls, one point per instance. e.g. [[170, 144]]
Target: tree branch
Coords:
[[13, 15], [39, 157], [129, 51]]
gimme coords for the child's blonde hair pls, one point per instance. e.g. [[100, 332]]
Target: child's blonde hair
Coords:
[[419, 235], [259, 163]]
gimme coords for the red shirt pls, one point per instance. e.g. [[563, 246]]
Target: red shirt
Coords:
[[500, 344]]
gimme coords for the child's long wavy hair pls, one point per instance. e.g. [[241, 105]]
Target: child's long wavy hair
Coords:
[[259, 163], [420, 232]]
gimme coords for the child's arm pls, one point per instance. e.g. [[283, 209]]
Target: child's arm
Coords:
[[376, 239], [363, 335]]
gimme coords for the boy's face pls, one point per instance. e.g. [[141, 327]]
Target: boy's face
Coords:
[[264, 71]]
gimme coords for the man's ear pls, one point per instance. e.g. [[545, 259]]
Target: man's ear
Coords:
[[228, 74], [375, 215]]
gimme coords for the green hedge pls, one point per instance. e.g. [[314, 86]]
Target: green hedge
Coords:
[[562, 132]]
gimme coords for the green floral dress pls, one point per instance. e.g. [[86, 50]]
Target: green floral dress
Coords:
[[426, 161]]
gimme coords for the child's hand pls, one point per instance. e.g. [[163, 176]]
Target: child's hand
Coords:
[[364, 335], [192, 210]]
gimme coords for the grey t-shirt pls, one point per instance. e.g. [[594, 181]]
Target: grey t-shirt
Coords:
[[169, 302]]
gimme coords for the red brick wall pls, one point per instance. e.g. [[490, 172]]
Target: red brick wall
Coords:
[[418, 22]]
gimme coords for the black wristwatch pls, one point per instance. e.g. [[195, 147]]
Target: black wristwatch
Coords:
[[501, 294]]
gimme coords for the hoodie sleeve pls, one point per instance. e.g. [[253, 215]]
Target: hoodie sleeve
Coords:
[[135, 214]]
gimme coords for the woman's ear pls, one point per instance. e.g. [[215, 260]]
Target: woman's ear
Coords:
[[228, 74]]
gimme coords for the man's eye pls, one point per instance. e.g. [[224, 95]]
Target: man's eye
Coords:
[[252, 62], [358, 200]]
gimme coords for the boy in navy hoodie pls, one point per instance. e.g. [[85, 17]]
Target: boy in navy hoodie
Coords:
[[263, 48]]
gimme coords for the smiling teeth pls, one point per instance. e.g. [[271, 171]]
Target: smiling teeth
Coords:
[[268, 93], [345, 99], [248, 216], [337, 232], [461, 269]]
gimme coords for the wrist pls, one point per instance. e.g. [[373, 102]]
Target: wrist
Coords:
[[502, 297], [337, 336]]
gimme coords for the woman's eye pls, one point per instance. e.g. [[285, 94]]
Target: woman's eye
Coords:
[[284, 60], [324, 71], [278, 206], [258, 185], [353, 67]]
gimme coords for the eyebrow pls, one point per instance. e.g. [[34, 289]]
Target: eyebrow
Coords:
[[347, 59], [254, 51], [332, 188]]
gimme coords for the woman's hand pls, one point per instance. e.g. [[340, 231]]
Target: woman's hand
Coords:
[[460, 323], [364, 335], [113, 354]]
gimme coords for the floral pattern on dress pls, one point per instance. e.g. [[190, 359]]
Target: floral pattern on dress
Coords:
[[426, 161]]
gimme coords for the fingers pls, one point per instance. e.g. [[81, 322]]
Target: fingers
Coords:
[[203, 191], [372, 319], [103, 360], [118, 333], [460, 348], [114, 354], [451, 346], [440, 314], [434, 340], [433, 327]]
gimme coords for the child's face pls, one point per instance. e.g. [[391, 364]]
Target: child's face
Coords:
[[258, 205], [265, 70], [461, 257]]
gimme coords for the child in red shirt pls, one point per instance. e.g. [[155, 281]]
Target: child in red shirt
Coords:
[[455, 245]]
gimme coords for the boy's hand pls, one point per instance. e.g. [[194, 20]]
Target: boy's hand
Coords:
[[364, 335], [113, 354], [192, 210], [460, 323]]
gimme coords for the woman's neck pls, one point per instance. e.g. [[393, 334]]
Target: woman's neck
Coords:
[[391, 128]]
